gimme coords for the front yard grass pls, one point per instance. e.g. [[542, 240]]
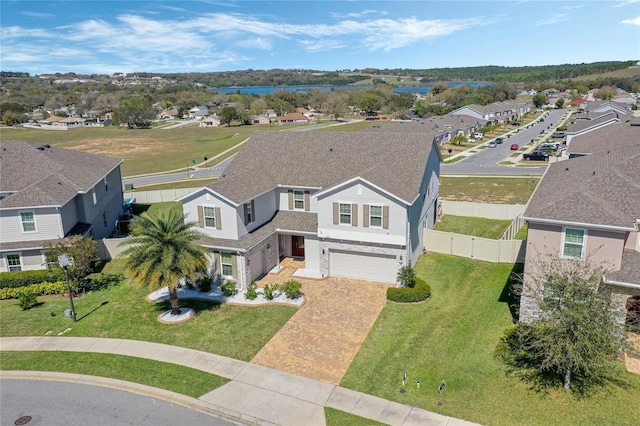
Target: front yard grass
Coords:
[[452, 337], [171, 377], [340, 418], [122, 312], [508, 190], [476, 226]]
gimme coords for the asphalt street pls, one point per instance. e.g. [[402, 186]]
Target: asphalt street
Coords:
[[64, 403], [486, 161]]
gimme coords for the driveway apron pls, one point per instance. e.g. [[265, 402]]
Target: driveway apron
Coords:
[[323, 337]]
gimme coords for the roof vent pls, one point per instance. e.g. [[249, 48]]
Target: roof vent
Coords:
[[594, 173], [566, 169], [41, 148], [330, 149], [47, 146]]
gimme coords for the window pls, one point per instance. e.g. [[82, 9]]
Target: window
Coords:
[[13, 263], [226, 263], [209, 214], [573, 243], [298, 200], [375, 216], [93, 195], [249, 214], [28, 222], [106, 185], [345, 213]]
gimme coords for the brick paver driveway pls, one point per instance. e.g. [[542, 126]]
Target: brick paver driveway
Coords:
[[323, 337]]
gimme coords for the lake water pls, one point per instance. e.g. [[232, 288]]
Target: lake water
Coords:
[[261, 90]]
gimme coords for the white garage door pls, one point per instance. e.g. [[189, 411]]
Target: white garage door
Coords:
[[363, 266]]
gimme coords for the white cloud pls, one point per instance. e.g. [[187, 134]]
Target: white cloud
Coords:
[[573, 7], [321, 45], [621, 3], [558, 17], [634, 21], [358, 14], [37, 14]]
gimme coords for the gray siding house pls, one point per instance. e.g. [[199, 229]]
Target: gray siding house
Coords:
[[47, 193], [350, 204]]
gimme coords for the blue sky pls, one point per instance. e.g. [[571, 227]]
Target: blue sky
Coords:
[[108, 36]]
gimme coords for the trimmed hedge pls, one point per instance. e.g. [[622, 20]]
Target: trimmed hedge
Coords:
[[25, 278], [35, 289], [421, 291]]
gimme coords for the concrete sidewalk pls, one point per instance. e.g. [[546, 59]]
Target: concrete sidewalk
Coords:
[[255, 394]]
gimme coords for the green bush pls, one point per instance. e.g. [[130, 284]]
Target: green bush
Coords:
[[269, 289], [101, 281], [229, 288], [37, 289], [252, 291], [25, 278], [204, 283], [292, 288], [419, 292], [27, 300]]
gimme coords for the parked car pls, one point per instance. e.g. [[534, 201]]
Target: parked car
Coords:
[[514, 147], [498, 140], [549, 145], [535, 156], [492, 144], [478, 135]]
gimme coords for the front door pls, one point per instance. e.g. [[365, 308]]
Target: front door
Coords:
[[297, 246]]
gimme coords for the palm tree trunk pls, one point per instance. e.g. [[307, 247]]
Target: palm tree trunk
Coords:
[[567, 378], [173, 299]]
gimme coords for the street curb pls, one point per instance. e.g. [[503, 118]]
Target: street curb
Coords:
[[169, 396]]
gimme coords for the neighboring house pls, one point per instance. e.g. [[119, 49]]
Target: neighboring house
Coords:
[[616, 135], [349, 204], [168, 114], [199, 112], [496, 112], [260, 119], [293, 118], [210, 121], [589, 207], [583, 123], [47, 193]]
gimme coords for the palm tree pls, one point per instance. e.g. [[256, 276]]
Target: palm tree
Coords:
[[162, 250]]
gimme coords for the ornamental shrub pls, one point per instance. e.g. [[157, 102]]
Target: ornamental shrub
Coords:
[[419, 292], [36, 289], [292, 288], [229, 288], [27, 300], [101, 281], [252, 291], [25, 278], [269, 290], [204, 283]]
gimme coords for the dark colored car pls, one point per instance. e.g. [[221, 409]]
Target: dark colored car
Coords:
[[514, 147], [498, 140], [535, 156]]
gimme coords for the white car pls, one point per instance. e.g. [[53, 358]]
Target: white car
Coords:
[[478, 135]]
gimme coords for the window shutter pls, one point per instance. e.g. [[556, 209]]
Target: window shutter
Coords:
[[246, 216], [291, 199], [385, 217], [216, 212], [201, 216], [234, 265], [253, 211], [354, 215], [307, 201], [365, 216], [336, 213]]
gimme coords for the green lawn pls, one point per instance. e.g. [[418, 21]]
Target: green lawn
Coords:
[[171, 377], [476, 226], [122, 312], [522, 233], [452, 337], [351, 127], [341, 418], [507, 190], [144, 150]]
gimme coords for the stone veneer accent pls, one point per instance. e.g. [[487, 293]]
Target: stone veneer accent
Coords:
[[327, 245], [244, 273]]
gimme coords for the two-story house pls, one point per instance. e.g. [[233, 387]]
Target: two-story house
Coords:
[[588, 208], [349, 204], [47, 193]]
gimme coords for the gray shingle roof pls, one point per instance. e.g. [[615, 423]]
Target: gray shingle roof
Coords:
[[606, 138], [395, 162], [629, 272], [283, 220], [47, 177], [599, 189]]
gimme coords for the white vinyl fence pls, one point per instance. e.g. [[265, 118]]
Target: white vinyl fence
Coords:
[[109, 248], [158, 196], [490, 211], [509, 251]]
